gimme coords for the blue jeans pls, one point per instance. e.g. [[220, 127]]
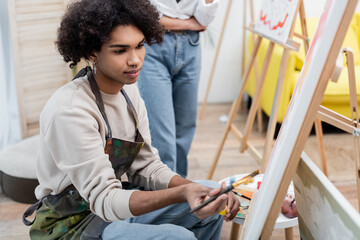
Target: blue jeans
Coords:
[[172, 222], [168, 83]]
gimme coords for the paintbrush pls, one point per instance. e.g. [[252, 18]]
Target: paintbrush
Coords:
[[243, 180]]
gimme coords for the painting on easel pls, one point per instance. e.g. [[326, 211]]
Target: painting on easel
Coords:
[[275, 19], [324, 213], [300, 116]]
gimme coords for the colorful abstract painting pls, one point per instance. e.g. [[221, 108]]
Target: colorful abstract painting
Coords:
[[275, 18]]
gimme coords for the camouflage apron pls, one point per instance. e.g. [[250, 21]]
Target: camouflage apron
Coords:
[[67, 215]]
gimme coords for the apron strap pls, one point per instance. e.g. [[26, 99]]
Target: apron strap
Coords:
[[29, 212], [138, 137], [81, 73], [95, 89], [99, 101], [131, 107]]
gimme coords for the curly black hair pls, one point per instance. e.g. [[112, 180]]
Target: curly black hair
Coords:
[[87, 24]]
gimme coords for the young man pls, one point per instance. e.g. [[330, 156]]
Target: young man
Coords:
[[94, 136]]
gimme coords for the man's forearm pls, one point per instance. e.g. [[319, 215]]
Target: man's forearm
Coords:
[[142, 202], [178, 181]]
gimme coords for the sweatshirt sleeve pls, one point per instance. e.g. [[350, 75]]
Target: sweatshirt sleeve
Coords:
[[73, 140], [148, 170], [205, 13]]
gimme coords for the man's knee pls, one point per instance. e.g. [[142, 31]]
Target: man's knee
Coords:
[[177, 232]]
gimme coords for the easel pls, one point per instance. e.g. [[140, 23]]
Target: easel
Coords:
[[299, 118], [290, 45], [348, 125]]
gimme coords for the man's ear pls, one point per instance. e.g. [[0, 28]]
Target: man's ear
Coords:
[[93, 57]]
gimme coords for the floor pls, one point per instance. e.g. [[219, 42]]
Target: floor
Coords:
[[207, 137]]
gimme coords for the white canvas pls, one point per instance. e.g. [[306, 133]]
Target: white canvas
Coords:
[[275, 18], [297, 110]]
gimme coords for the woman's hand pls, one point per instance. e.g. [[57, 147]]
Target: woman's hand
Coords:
[[182, 24], [193, 24]]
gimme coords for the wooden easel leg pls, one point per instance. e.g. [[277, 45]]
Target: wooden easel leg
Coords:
[[275, 109], [203, 107], [259, 120], [234, 231], [289, 233], [354, 115], [259, 112], [357, 168], [320, 138], [259, 116], [243, 39], [221, 146], [256, 99], [303, 25], [235, 107]]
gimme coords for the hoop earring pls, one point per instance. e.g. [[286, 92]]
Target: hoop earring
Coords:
[[94, 68]]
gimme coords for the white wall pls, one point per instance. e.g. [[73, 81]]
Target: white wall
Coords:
[[227, 78]]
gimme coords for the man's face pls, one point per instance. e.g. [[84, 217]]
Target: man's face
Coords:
[[120, 60]]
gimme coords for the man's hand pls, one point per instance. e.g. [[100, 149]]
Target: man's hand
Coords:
[[233, 205], [196, 193]]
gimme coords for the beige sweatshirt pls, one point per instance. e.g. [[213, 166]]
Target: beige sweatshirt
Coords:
[[72, 142]]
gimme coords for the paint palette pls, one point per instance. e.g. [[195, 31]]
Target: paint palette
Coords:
[[247, 191]]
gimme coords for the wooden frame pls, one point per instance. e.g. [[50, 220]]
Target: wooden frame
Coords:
[[300, 116], [288, 46]]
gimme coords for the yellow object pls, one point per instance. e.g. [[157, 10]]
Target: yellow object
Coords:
[[223, 212], [336, 96]]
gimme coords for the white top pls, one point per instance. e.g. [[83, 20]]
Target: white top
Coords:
[[72, 142], [185, 9]]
